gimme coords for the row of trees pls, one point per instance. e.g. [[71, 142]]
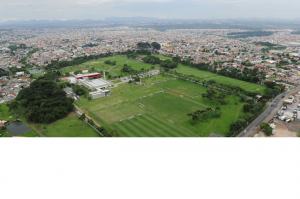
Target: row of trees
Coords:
[[215, 96], [248, 75], [76, 61], [252, 110], [168, 64], [146, 45], [113, 63], [128, 69], [228, 87], [151, 60], [204, 114]]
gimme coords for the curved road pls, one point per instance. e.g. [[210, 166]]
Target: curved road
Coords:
[[269, 111]]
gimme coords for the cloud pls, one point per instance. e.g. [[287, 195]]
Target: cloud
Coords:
[[100, 9]]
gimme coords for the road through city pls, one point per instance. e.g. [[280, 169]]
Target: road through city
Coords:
[[269, 111]]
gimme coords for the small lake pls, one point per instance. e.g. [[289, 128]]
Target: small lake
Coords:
[[17, 128]]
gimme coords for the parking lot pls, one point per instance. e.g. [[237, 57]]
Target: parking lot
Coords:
[[286, 122], [288, 111]]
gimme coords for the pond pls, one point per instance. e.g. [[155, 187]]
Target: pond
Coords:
[[17, 128]]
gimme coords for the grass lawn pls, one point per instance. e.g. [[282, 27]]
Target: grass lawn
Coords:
[[67, 127], [11, 116], [120, 60], [5, 114], [221, 79], [160, 109], [119, 105], [37, 75], [183, 87], [151, 125]]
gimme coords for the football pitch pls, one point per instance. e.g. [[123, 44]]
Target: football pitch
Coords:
[[157, 110], [206, 75], [120, 61]]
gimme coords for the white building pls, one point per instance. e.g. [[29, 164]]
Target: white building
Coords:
[[100, 93], [94, 84], [72, 80], [19, 73]]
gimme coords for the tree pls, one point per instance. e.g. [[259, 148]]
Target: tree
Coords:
[[91, 122], [266, 128], [13, 105], [195, 117], [155, 45], [82, 118]]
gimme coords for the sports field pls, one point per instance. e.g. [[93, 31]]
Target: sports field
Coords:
[[119, 105], [221, 79], [151, 125], [120, 60], [162, 114]]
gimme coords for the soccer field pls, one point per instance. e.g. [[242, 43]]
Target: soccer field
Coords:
[[120, 60], [162, 114], [151, 125], [221, 79]]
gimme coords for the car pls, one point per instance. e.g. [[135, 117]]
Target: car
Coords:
[[288, 120]]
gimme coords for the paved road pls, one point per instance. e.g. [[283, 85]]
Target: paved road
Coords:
[[269, 111]]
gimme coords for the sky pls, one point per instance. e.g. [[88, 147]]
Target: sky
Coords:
[[165, 9]]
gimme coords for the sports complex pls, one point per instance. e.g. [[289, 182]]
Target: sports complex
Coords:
[[161, 106]]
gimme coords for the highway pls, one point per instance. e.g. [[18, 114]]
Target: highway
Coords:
[[269, 111]]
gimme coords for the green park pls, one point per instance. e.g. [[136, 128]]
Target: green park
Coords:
[[162, 106]]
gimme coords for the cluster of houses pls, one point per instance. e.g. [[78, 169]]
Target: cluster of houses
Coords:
[[200, 46]]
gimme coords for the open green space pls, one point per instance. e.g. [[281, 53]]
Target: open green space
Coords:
[[151, 125], [120, 60], [163, 114], [119, 105], [67, 127], [206, 75], [11, 116]]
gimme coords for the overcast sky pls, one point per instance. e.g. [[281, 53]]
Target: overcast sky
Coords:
[[185, 9]]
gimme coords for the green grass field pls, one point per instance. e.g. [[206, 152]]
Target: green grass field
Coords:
[[67, 127], [120, 60], [160, 109], [151, 125], [221, 79], [119, 104], [11, 116]]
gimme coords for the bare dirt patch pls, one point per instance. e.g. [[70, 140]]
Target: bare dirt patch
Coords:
[[283, 129]]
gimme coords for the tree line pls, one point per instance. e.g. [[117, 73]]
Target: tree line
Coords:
[[76, 61], [167, 64], [246, 74], [201, 115]]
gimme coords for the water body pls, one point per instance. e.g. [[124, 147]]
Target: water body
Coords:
[[17, 128]]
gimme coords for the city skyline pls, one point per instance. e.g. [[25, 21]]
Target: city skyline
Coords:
[[164, 9]]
